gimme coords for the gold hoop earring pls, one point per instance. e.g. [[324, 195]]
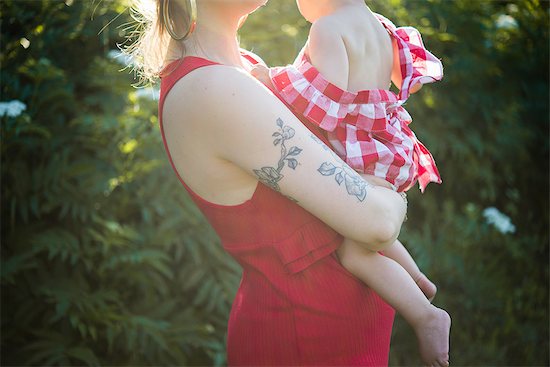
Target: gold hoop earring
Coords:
[[242, 20], [192, 19]]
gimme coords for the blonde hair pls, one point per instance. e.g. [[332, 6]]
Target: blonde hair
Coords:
[[147, 42]]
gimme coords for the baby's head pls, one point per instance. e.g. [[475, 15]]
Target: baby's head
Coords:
[[315, 9]]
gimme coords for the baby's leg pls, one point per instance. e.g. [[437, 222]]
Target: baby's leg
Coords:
[[389, 280], [399, 253]]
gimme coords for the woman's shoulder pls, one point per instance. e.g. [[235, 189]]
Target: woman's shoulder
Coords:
[[219, 82], [216, 96], [213, 77]]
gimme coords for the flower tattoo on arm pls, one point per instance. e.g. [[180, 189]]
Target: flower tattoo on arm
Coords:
[[271, 176], [354, 184]]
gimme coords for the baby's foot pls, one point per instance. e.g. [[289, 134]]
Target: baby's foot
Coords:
[[433, 337], [426, 286]]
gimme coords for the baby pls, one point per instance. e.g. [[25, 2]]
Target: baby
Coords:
[[340, 83]]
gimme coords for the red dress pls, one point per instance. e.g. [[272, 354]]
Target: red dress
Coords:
[[296, 304]]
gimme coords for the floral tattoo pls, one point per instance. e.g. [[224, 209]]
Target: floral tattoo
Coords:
[[272, 175], [342, 173], [354, 184]]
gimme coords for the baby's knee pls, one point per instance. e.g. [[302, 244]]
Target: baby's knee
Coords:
[[353, 254]]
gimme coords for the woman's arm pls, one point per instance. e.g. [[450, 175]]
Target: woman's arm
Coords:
[[254, 130]]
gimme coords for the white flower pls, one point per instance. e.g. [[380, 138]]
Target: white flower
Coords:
[[505, 21], [12, 108], [500, 220]]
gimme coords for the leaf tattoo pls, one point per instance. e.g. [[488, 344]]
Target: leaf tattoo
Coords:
[[272, 175], [354, 184]]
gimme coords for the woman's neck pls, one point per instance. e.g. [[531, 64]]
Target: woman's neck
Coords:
[[215, 36]]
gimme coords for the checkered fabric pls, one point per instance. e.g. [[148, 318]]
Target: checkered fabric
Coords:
[[368, 129]]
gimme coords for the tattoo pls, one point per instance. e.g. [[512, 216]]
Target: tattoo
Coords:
[[272, 175], [355, 185]]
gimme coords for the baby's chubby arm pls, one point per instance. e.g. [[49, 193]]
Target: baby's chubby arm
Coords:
[[396, 70], [327, 52]]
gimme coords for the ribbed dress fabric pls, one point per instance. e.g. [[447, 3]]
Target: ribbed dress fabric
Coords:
[[296, 305]]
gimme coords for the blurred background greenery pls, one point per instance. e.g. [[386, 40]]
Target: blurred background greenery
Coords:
[[105, 261]]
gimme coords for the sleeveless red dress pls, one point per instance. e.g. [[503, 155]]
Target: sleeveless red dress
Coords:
[[296, 304]]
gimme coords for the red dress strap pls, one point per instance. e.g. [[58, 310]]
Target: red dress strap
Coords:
[[176, 70], [170, 75], [251, 57]]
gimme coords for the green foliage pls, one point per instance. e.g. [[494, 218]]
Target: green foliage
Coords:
[[106, 261]]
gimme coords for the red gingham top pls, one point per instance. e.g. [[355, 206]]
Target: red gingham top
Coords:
[[368, 129]]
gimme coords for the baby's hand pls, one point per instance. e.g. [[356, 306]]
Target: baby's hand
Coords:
[[376, 181], [261, 73]]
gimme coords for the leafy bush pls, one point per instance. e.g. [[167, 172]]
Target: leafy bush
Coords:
[[105, 260]]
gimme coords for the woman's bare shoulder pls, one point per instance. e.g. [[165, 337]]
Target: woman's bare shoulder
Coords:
[[208, 89], [213, 79]]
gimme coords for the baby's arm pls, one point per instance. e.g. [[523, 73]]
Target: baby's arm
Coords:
[[327, 52], [396, 77]]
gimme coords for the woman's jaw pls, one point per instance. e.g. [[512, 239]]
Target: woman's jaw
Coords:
[[230, 8], [215, 33]]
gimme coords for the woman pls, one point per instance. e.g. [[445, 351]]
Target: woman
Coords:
[[255, 172]]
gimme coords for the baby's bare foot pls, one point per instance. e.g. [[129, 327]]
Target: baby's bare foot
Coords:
[[433, 337], [426, 286]]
